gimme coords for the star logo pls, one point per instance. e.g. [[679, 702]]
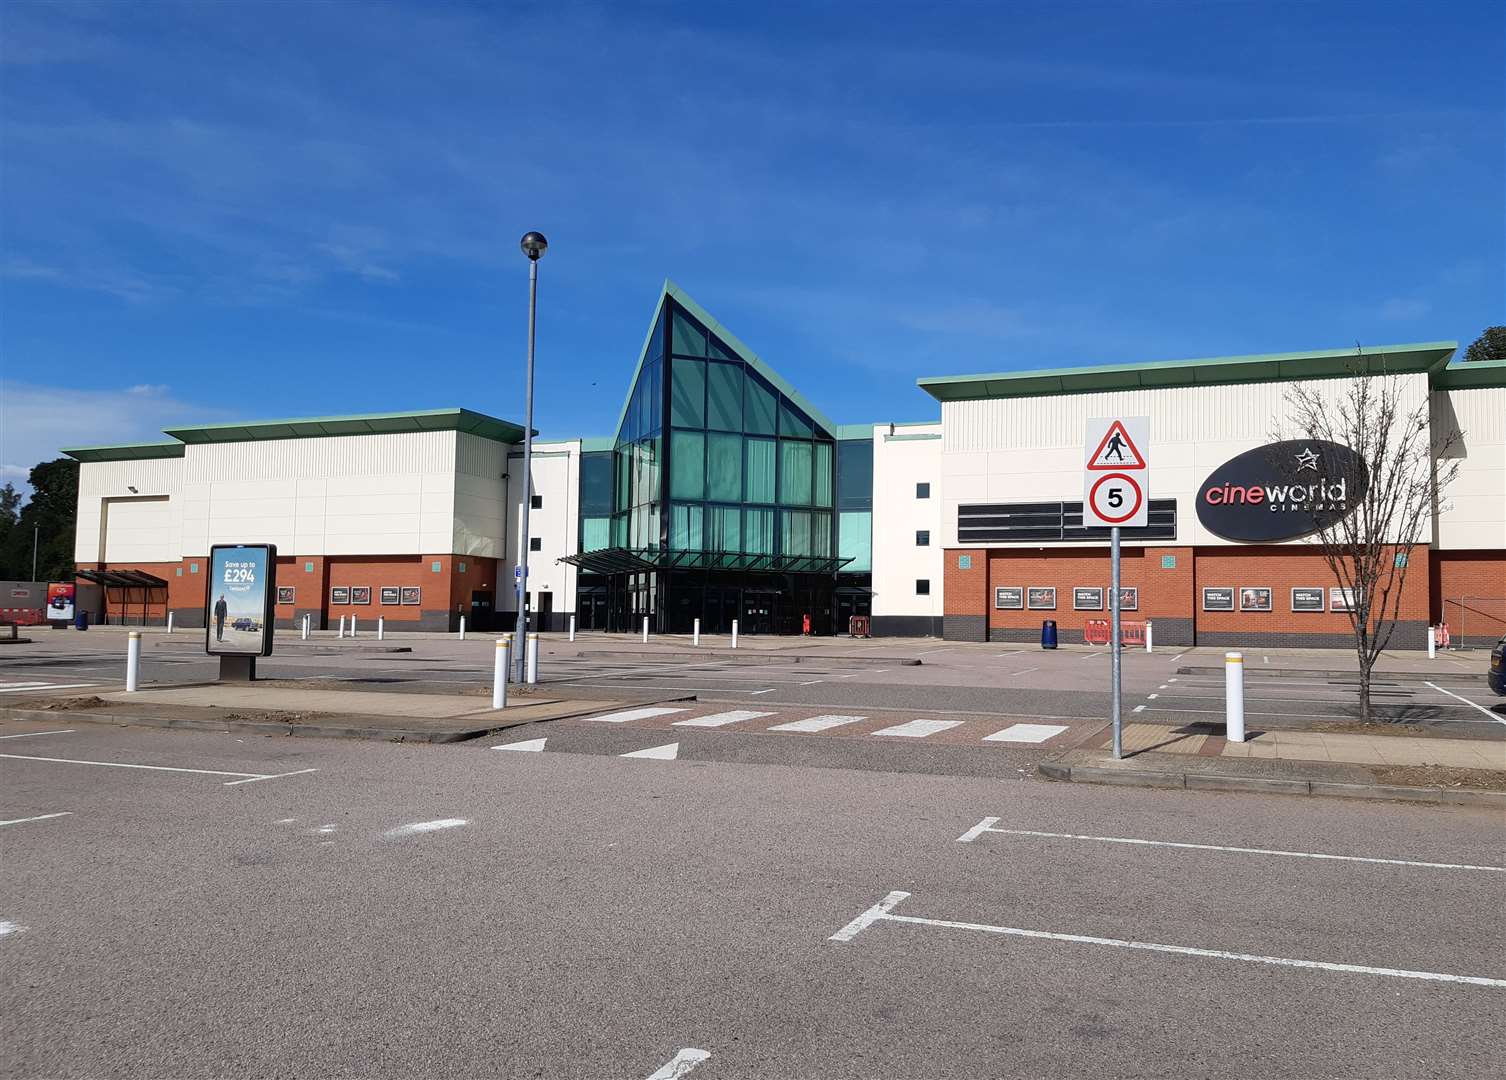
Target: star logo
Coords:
[[1308, 459]]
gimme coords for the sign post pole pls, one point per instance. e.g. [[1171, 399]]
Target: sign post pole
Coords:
[[1114, 641]]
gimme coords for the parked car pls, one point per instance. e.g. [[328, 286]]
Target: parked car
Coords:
[[244, 623], [1496, 677]]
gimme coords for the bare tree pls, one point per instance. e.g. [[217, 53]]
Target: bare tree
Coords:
[[1406, 466]]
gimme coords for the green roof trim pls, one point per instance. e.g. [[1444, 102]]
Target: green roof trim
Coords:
[[918, 437], [1429, 357], [127, 452], [1476, 374], [854, 431], [315, 427], [597, 443]]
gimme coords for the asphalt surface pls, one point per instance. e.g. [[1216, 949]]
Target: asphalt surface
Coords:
[[597, 916]]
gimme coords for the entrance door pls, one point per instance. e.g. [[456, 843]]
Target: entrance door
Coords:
[[758, 612], [481, 611], [545, 614]]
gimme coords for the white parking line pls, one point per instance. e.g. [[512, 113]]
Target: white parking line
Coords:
[[527, 745], [29, 734], [39, 817], [722, 719], [1138, 708], [680, 1064], [1025, 733], [918, 729], [8, 927], [416, 827], [45, 686], [882, 912], [633, 714], [1468, 702], [987, 825], [246, 778], [1025, 671], [817, 723]]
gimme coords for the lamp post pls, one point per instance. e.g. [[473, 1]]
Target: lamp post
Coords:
[[533, 245]]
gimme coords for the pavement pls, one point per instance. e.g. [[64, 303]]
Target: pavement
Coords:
[[192, 903]]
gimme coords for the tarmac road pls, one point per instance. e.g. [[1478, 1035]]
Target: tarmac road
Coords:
[[586, 916]]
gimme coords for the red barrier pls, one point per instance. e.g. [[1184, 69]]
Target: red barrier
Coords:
[[22, 616], [1096, 632]]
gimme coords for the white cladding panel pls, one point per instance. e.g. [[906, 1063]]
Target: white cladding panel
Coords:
[[1473, 507], [388, 494], [555, 523], [1029, 448], [155, 534], [480, 498], [899, 463]]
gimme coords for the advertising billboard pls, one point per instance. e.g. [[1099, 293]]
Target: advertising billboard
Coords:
[[238, 609], [60, 595]]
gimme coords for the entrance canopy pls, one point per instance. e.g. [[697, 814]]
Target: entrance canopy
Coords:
[[634, 560], [123, 579]]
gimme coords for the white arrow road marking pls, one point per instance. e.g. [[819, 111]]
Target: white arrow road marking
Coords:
[[882, 912], [416, 827], [534, 745], [722, 718], [680, 1065], [39, 817], [667, 752]]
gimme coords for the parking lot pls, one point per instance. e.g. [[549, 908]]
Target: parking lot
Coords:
[[182, 903]]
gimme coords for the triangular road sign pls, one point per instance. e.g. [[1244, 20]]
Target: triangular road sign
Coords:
[[1116, 452]]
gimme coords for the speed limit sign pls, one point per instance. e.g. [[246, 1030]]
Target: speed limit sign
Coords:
[[1115, 487]]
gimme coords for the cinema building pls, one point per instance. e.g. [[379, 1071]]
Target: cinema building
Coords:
[[725, 494]]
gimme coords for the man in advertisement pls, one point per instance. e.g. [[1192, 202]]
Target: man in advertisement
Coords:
[[221, 609]]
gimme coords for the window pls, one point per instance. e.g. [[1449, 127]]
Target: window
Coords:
[[922, 537], [537, 502], [922, 586], [922, 491], [535, 543]]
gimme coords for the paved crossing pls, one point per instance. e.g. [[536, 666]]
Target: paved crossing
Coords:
[[34, 686], [891, 724]]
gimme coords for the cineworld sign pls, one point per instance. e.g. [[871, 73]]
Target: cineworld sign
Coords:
[[1282, 490]]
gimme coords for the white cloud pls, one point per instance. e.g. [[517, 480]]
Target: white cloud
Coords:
[[37, 421]]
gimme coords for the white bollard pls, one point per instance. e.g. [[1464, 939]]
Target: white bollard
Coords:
[[734, 633], [572, 627], [1432, 643], [133, 660], [645, 629], [531, 660], [381, 627], [1147, 635], [499, 675], [305, 626], [695, 638], [462, 628], [342, 626], [352, 626], [1234, 697], [169, 622]]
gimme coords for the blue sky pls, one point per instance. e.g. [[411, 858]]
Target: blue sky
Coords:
[[231, 211]]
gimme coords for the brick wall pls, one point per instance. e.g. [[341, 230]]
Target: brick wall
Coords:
[[963, 591], [1469, 593], [1164, 594]]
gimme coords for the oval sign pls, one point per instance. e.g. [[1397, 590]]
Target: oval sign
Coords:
[[1282, 490]]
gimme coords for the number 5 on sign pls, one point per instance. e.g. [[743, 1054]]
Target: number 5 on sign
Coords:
[[1116, 471]]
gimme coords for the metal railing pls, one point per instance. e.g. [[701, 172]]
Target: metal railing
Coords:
[[1474, 621]]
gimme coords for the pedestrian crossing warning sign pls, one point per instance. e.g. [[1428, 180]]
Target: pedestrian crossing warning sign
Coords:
[[1117, 451]]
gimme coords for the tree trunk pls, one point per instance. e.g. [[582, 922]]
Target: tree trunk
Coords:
[[1364, 690]]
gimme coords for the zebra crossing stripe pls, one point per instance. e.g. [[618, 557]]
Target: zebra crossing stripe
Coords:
[[633, 714], [817, 723], [1026, 733], [667, 752], [918, 729], [721, 719]]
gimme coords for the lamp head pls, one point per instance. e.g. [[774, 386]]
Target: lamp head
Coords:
[[533, 245]]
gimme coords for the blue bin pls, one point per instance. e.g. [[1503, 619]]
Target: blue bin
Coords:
[[1048, 633], [80, 619]]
